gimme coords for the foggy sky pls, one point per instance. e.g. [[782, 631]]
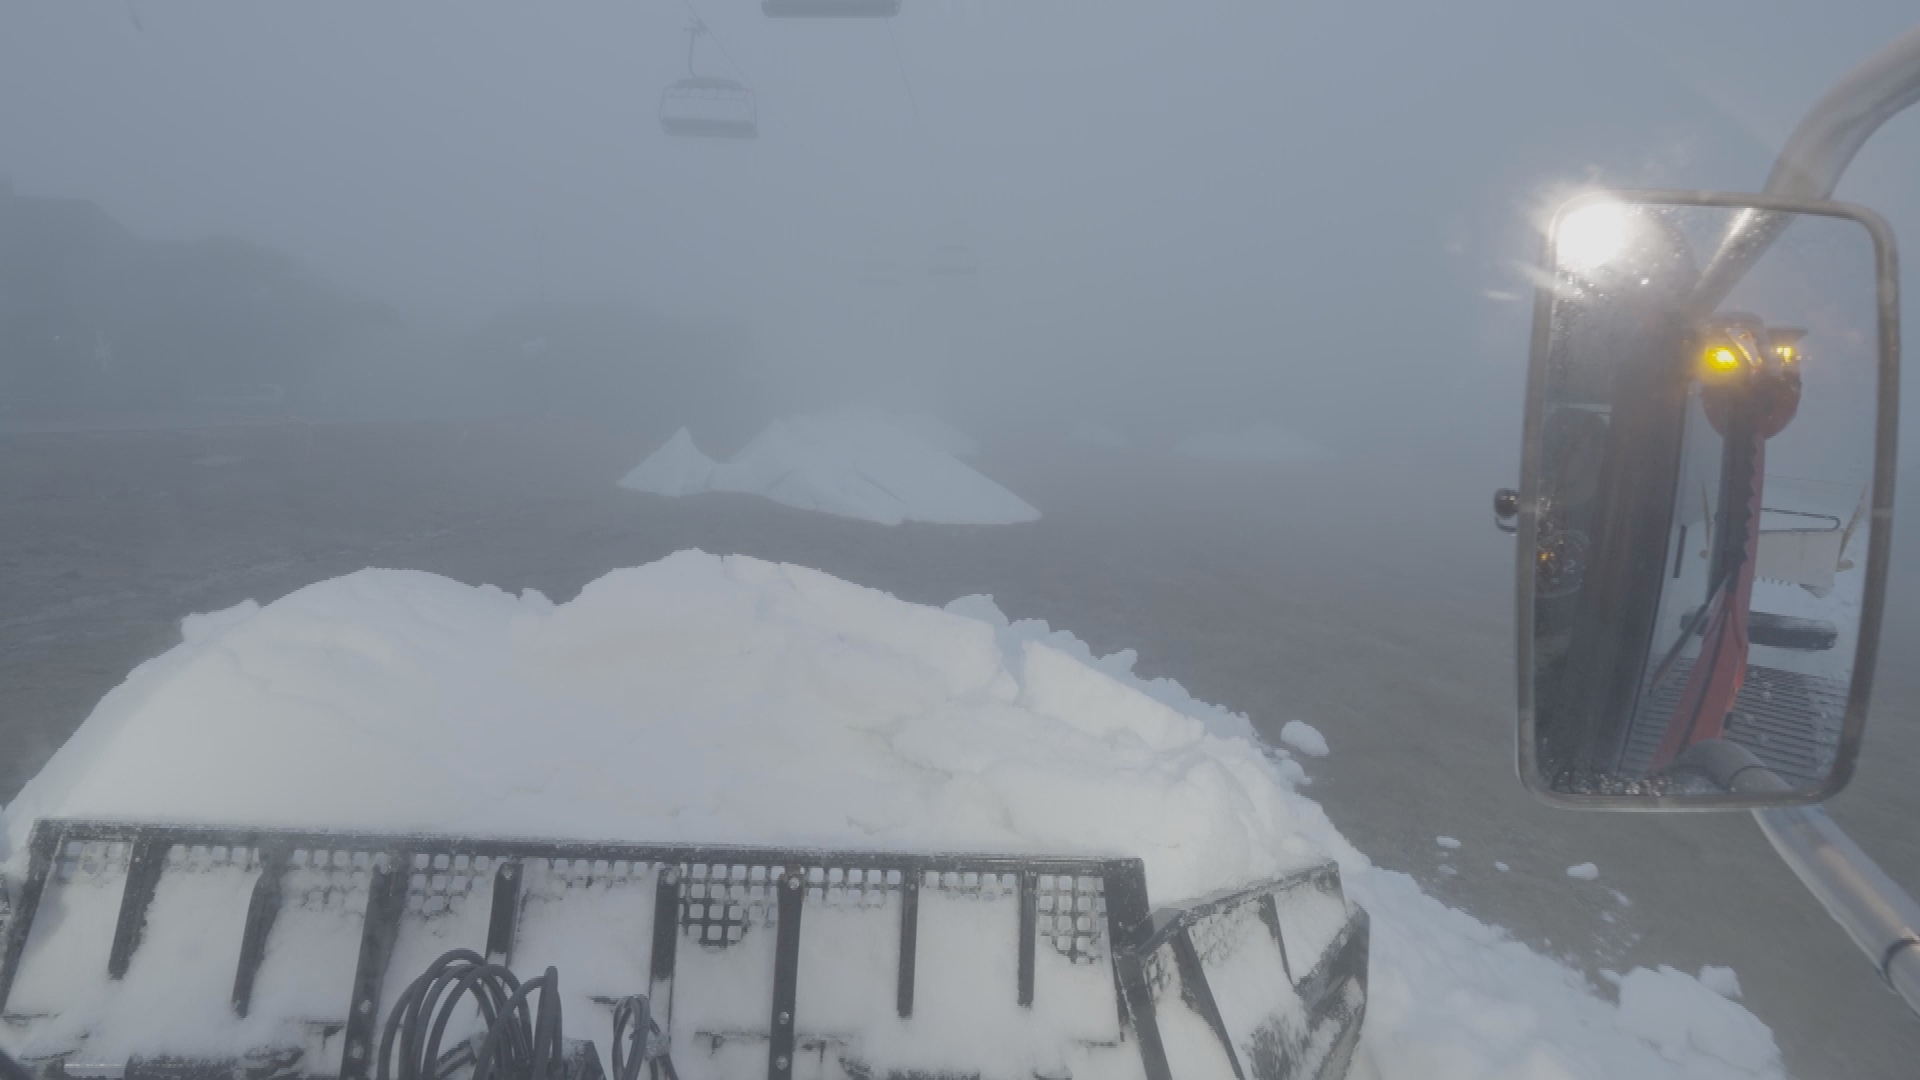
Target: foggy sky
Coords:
[[1183, 212]]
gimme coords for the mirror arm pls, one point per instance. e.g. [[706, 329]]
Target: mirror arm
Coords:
[[1816, 155], [1880, 916]]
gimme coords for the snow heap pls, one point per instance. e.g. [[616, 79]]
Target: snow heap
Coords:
[[716, 699], [939, 434], [1262, 444], [868, 466]]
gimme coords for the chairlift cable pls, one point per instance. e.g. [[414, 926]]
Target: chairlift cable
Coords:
[[709, 106], [900, 64], [717, 43], [739, 68]]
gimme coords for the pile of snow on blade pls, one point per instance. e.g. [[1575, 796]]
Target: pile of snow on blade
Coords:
[[698, 698], [1262, 444], [872, 467], [730, 700]]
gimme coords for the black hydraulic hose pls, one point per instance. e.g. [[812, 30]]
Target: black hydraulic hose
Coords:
[[633, 1029], [521, 1046], [522, 1042], [523, 1037]]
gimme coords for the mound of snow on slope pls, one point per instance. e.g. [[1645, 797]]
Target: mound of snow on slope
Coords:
[[678, 468], [1262, 444], [870, 467], [939, 434], [725, 699]]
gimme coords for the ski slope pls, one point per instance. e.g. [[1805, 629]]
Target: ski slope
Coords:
[[873, 467], [725, 699]]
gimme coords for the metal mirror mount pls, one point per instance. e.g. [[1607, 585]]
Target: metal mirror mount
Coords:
[[1705, 500]]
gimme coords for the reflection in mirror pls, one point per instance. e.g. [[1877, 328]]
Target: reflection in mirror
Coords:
[[1701, 487]]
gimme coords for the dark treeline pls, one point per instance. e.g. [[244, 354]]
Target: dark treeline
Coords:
[[95, 319]]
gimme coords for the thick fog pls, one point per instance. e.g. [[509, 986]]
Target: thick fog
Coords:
[[1156, 217]]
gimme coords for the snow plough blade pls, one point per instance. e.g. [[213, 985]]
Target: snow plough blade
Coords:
[[141, 951]]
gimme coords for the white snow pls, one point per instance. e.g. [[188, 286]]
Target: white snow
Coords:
[[1667, 1008], [855, 464], [1500, 866], [939, 434], [1447, 842], [1585, 871], [1721, 980], [716, 699], [1263, 444], [678, 468], [1305, 738], [728, 699]]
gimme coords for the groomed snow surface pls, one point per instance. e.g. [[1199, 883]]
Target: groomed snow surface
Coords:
[[702, 698], [862, 465]]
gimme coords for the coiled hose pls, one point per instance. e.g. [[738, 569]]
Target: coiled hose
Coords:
[[522, 1040]]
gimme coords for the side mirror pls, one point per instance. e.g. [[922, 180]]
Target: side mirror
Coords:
[[1705, 500]]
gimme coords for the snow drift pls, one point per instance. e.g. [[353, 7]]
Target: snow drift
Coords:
[[716, 699], [870, 467], [1262, 444]]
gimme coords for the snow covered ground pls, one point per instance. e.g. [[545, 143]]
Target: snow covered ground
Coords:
[[861, 465], [1262, 444], [728, 699]]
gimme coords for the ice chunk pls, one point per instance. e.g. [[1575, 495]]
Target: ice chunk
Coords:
[[1447, 842], [678, 468], [1585, 871], [1721, 980], [1305, 738], [853, 464]]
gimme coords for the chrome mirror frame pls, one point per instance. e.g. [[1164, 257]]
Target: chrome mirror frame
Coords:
[[1880, 522]]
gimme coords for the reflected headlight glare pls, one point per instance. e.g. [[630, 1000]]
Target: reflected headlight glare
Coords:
[[1787, 353], [1591, 236]]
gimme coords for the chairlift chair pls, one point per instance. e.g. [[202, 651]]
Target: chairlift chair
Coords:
[[832, 9], [706, 106], [701, 106]]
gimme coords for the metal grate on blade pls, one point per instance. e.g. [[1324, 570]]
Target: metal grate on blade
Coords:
[[1072, 914]]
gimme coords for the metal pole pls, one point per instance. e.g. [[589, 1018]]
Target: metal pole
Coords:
[[1818, 152], [1880, 917], [1874, 911]]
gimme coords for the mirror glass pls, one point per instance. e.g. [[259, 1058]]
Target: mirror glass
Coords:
[[1699, 500]]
